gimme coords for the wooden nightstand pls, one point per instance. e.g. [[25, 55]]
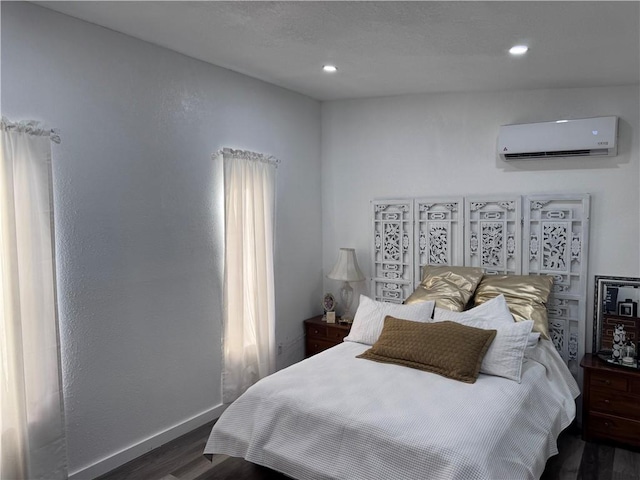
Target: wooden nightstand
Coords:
[[320, 335], [611, 402]]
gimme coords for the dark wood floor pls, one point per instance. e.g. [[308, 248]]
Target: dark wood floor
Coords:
[[182, 459]]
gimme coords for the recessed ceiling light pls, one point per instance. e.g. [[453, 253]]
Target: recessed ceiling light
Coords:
[[518, 49], [329, 68]]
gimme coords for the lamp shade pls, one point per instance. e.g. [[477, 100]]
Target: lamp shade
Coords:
[[346, 268]]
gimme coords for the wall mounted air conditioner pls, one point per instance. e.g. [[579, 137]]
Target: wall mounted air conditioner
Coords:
[[586, 137]]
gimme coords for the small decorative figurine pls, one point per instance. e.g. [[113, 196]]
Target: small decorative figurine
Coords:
[[619, 340]]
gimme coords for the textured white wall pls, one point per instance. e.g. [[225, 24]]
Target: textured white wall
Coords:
[[138, 217], [138, 214], [422, 145]]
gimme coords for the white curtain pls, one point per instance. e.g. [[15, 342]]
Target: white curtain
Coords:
[[32, 441], [249, 300]]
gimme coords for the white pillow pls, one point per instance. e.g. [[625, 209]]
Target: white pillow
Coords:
[[495, 311], [369, 318], [506, 352]]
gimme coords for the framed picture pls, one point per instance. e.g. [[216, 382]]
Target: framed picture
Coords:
[[328, 302], [615, 320]]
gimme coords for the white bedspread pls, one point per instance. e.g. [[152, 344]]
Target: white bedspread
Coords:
[[334, 416]]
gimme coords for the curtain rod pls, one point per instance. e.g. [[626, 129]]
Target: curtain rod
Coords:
[[247, 155], [30, 127]]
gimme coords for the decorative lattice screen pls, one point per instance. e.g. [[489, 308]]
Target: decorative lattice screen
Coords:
[[493, 233], [393, 247], [529, 235], [556, 232], [439, 232]]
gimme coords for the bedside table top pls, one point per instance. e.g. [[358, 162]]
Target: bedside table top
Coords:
[[592, 361], [317, 320]]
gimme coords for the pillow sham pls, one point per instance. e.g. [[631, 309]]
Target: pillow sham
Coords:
[[369, 318], [526, 296], [428, 347], [494, 311], [506, 352], [450, 287], [534, 337]]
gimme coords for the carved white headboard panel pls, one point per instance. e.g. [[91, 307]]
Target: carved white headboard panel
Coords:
[[393, 247], [439, 232], [556, 234], [493, 234]]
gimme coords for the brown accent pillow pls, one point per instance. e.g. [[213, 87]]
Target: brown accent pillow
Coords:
[[526, 297], [446, 348], [450, 287]]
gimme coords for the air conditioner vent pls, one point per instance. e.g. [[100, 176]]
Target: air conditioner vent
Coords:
[[559, 153]]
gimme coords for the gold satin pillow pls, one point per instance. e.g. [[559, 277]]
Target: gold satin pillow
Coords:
[[450, 287], [447, 348], [526, 297]]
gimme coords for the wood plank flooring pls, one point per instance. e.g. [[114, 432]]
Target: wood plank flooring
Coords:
[[182, 459]]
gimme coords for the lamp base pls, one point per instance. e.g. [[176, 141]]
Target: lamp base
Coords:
[[346, 296]]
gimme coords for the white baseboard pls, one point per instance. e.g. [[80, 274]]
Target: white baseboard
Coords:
[[134, 451]]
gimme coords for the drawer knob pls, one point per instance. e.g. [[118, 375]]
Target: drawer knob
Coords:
[[315, 331], [607, 424], [607, 401]]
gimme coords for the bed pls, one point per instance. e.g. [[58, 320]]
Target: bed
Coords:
[[338, 416]]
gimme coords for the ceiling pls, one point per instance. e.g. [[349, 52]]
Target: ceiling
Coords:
[[391, 48]]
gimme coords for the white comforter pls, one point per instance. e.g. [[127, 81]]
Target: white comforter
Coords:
[[334, 416]]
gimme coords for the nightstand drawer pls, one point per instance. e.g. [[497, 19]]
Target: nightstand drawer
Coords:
[[615, 403], [621, 429], [608, 381], [336, 334], [316, 331], [321, 335], [634, 386], [314, 345]]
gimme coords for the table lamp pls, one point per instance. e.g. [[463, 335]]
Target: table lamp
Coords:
[[347, 270]]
